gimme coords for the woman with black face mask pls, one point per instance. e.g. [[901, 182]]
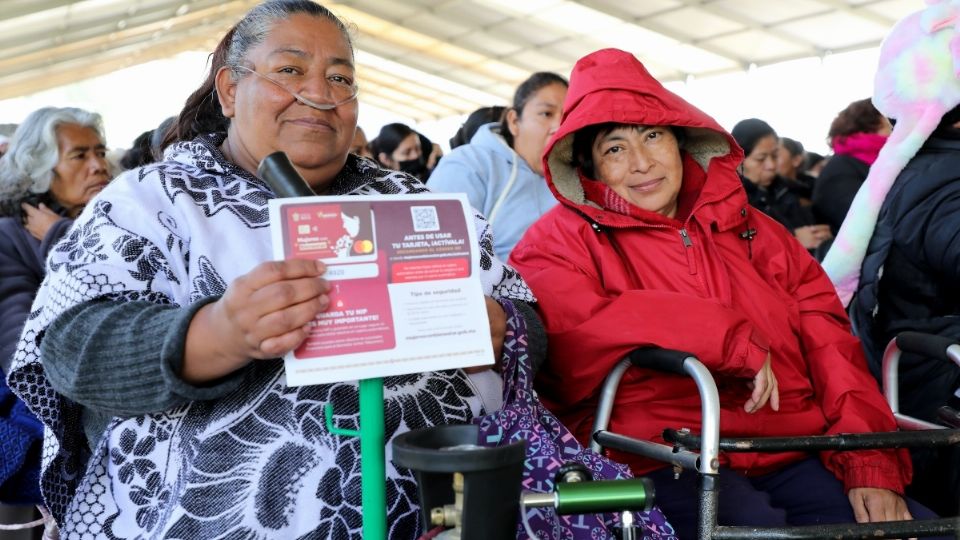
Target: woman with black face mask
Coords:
[[401, 148]]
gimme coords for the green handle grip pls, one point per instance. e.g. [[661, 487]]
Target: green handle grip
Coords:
[[605, 496]]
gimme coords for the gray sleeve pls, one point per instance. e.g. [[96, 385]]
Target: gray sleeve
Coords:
[[536, 335], [124, 358]]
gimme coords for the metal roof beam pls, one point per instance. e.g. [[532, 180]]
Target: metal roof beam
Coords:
[[840, 5], [158, 17], [649, 24], [751, 24], [18, 8], [135, 34], [443, 64], [62, 73], [491, 30]]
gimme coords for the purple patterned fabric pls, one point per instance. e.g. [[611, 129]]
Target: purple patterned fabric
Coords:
[[549, 446]]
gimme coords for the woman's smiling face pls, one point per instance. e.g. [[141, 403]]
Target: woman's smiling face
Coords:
[[642, 164], [308, 55]]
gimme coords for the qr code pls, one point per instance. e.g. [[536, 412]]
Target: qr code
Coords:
[[425, 218]]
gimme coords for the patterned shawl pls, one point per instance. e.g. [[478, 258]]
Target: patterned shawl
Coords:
[[258, 463]]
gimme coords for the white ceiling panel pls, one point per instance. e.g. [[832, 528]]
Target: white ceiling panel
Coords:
[[708, 25], [835, 31], [432, 58], [759, 47], [767, 12]]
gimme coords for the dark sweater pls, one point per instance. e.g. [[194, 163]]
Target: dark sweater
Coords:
[[21, 434], [124, 359], [21, 270]]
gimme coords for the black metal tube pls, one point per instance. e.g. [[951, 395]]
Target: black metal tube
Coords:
[[660, 452], [665, 360], [843, 531], [925, 344], [709, 501], [845, 441], [278, 172]]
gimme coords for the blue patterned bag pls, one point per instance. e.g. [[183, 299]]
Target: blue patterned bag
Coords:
[[549, 446]]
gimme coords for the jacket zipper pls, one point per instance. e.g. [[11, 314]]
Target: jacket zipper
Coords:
[[691, 256]]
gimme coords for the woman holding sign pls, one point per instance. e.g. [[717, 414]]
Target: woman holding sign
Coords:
[[151, 351]]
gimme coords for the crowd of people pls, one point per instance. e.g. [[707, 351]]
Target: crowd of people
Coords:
[[141, 391]]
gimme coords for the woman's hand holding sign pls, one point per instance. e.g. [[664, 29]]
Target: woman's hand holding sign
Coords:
[[264, 314]]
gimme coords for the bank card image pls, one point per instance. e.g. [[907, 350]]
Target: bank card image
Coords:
[[333, 233]]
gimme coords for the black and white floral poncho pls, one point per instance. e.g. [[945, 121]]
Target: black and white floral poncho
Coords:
[[258, 463]]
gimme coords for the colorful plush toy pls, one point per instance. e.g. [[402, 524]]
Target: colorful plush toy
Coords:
[[917, 82]]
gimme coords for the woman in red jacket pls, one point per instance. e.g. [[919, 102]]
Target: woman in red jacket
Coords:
[[654, 244]]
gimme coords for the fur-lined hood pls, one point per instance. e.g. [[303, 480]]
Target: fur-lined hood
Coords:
[[611, 85]]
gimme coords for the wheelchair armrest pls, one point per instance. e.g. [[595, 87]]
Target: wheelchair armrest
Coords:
[[670, 361], [932, 345]]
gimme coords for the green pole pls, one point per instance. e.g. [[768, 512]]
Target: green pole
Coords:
[[373, 472]]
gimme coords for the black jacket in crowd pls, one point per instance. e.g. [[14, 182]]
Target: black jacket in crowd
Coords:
[[801, 186], [778, 202], [835, 188], [910, 278]]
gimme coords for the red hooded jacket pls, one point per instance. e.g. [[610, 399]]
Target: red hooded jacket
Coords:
[[608, 283]]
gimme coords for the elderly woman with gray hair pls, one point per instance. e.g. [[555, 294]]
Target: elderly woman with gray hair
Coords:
[[53, 167]]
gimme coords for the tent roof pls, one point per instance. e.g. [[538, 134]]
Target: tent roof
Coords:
[[427, 59]]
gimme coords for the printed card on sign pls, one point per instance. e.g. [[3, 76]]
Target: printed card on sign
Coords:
[[406, 294]]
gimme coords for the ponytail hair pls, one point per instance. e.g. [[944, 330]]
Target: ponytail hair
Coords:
[[524, 94], [202, 113]]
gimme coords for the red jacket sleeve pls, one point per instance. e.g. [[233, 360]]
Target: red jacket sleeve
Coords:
[[589, 330], [849, 396]]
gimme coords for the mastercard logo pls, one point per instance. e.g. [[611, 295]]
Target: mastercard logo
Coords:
[[363, 247]]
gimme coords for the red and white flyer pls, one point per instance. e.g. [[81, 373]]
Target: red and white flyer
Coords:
[[406, 294]]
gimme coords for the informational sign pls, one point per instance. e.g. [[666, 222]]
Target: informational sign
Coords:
[[406, 296]]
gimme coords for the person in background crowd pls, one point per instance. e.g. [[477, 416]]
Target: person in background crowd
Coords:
[[401, 148], [648, 248], [813, 163], [856, 136], [397, 147], [767, 191], [54, 167], [147, 147], [898, 252], [432, 158], [159, 134], [140, 153], [479, 117], [500, 170], [790, 158], [360, 146], [152, 353]]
